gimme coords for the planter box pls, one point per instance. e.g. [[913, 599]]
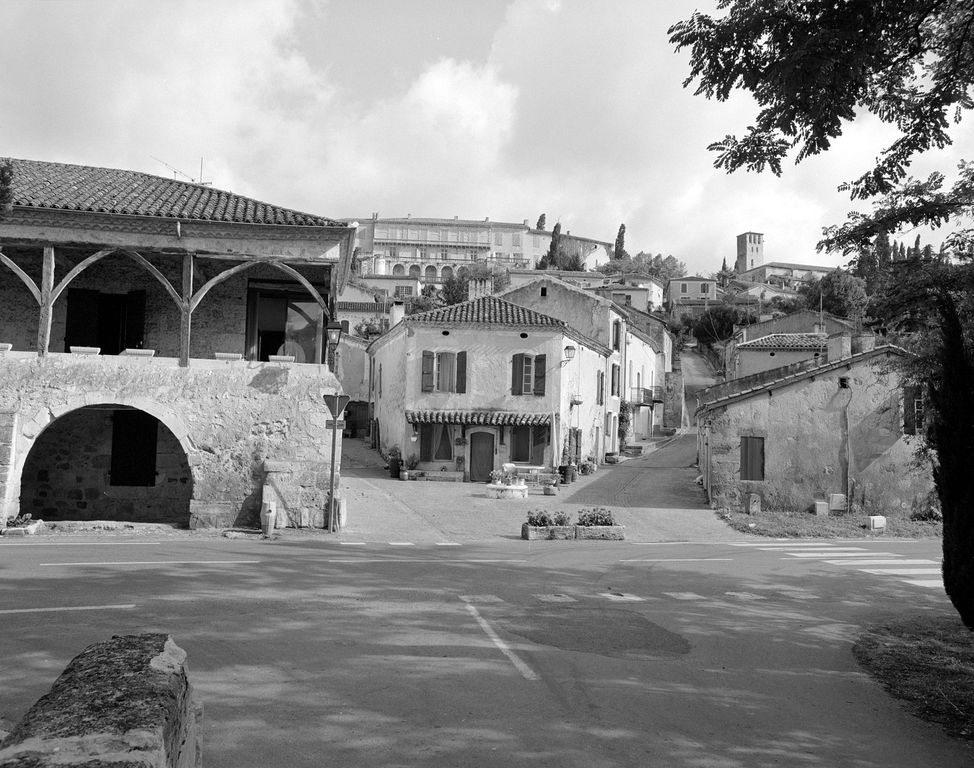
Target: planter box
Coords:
[[613, 532], [533, 532], [561, 531], [507, 491]]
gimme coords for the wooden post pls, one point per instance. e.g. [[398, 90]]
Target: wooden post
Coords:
[[46, 310], [187, 310]]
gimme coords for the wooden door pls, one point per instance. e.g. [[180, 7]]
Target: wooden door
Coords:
[[481, 456]]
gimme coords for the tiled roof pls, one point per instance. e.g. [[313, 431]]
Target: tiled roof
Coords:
[[38, 184], [487, 310], [787, 341], [499, 418]]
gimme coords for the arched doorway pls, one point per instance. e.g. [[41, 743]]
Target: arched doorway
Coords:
[[107, 462], [430, 274]]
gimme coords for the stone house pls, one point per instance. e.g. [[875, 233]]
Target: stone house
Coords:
[[691, 296], [471, 386], [774, 351], [164, 354], [794, 435]]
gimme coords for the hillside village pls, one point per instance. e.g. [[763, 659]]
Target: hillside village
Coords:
[[456, 354]]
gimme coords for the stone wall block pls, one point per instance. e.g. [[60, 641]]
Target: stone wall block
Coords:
[[127, 701]]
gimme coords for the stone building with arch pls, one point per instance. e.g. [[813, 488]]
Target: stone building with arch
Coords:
[[162, 351]]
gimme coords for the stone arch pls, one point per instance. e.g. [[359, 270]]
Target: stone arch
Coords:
[[33, 429], [462, 272], [415, 271], [399, 271], [430, 273], [446, 273]]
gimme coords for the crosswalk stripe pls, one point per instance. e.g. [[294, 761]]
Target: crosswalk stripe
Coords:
[[883, 561], [902, 571], [930, 583], [771, 544], [833, 553]]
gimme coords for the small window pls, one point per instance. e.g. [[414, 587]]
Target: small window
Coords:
[[498, 238], [704, 287], [752, 458], [404, 290], [684, 288], [616, 334], [444, 372], [614, 391], [544, 291], [912, 410], [528, 374]]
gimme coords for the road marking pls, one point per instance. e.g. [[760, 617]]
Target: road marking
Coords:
[[164, 562], [681, 560], [816, 550], [776, 544], [833, 553], [902, 571], [351, 543], [745, 596], [930, 583], [622, 597], [71, 608], [884, 561], [526, 672], [443, 560], [684, 595], [401, 544], [81, 543], [447, 543]]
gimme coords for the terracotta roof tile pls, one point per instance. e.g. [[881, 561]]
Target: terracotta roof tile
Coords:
[[487, 310], [505, 418], [787, 341], [39, 184]]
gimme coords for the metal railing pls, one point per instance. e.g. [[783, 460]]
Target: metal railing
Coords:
[[646, 395]]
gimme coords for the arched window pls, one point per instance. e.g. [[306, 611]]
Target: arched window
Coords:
[[430, 274], [399, 271], [415, 271]]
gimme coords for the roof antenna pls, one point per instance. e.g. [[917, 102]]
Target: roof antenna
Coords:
[[177, 172]]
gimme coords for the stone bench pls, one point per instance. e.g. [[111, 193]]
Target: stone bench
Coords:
[[127, 701]]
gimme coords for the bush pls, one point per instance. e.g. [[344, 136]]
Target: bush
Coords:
[[539, 518], [562, 518], [596, 516]]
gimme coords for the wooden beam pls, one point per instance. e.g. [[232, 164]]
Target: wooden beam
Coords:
[[46, 303], [186, 310], [28, 281]]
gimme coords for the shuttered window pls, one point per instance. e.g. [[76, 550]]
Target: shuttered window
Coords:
[[912, 410], [752, 458], [435, 442], [528, 374], [444, 372], [599, 387], [528, 443]]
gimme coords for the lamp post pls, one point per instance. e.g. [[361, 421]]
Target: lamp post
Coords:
[[336, 404]]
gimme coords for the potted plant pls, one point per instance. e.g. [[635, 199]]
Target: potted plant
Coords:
[[598, 523], [395, 461], [549, 487], [542, 524]]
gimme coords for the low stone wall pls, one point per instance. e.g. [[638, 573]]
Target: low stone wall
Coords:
[[124, 702]]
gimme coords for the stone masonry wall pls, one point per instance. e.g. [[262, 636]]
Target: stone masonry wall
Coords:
[[67, 476], [227, 417], [126, 702]]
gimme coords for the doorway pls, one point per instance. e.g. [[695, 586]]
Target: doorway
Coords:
[[283, 322], [113, 322], [481, 456]]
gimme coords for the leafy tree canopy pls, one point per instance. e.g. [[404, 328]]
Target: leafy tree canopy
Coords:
[[717, 323], [839, 292], [6, 186], [541, 222]]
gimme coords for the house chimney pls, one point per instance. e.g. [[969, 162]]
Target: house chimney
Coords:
[[396, 313], [525, 222], [839, 346], [863, 342]]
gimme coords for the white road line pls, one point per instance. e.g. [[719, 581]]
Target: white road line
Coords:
[[351, 543], [930, 583], [785, 544], [71, 608], [164, 562], [82, 543], [833, 553], [401, 544], [447, 544], [684, 595], [526, 672], [884, 561], [681, 560], [817, 549], [902, 571], [372, 560]]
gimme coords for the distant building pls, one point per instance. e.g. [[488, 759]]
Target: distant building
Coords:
[[691, 296], [750, 251]]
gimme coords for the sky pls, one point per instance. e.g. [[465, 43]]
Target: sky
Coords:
[[434, 108]]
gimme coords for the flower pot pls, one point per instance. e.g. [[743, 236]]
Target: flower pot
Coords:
[[550, 490]]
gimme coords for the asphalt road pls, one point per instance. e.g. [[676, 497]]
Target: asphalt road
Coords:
[[589, 654]]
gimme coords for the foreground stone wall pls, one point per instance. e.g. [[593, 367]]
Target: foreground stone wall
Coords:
[[228, 418], [127, 701]]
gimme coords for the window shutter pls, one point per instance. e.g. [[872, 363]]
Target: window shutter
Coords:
[[517, 374], [461, 371], [752, 458], [909, 410], [539, 374], [427, 371], [425, 442]]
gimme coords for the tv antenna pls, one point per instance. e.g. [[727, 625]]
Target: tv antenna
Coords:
[[176, 172]]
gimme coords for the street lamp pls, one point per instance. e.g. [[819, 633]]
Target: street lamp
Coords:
[[336, 404], [569, 355]]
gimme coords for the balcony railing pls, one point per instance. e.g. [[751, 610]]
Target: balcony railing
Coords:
[[646, 395]]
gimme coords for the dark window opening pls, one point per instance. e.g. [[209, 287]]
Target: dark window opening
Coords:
[[283, 321], [752, 458], [110, 321], [134, 438], [528, 444]]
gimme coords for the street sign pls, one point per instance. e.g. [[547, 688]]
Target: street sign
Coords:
[[336, 403], [331, 424]]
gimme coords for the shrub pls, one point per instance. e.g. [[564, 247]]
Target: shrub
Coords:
[[562, 518], [596, 516], [539, 518]]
